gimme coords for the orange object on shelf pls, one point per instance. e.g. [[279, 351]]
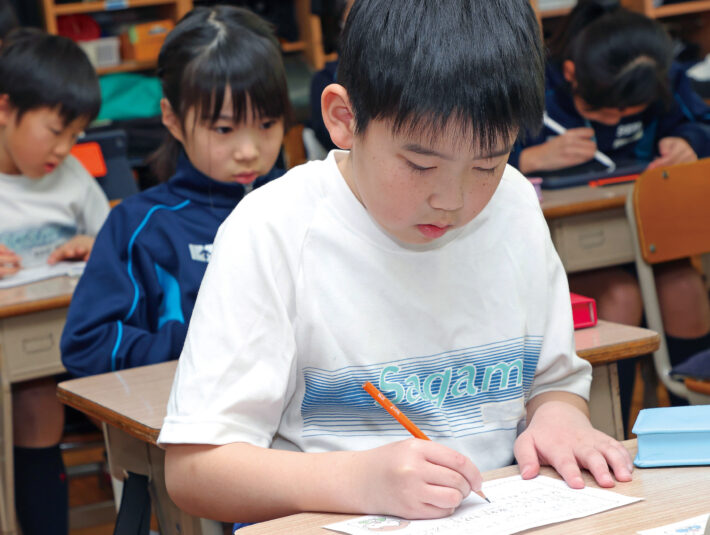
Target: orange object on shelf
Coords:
[[91, 157], [142, 42]]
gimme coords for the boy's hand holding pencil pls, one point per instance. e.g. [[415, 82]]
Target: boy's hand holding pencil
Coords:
[[423, 479]]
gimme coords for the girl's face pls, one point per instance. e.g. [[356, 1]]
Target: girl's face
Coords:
[[229, 152]]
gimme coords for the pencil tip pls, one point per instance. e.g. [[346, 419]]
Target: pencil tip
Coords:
[[488, 500]]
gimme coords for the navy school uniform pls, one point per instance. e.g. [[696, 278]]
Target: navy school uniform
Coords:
[[134, 301], [636, 137]]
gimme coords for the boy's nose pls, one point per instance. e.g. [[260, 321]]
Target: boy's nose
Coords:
[[448, 194]]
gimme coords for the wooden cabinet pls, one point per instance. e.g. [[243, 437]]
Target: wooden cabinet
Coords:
[[691, 18], [168, 9]]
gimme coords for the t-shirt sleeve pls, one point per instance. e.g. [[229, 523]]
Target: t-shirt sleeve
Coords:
[[559, 368], [236, 370], [95, 207]]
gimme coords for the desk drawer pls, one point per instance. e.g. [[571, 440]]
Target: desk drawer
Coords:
[[593, 240], [30, 344]]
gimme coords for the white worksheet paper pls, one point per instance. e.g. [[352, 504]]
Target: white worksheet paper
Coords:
[[691, 526], [41, 272], [516, 505]]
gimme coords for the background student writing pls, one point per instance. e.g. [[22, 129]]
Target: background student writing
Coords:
[[405, 261], [51, 209], [225, 106], [610, 81]]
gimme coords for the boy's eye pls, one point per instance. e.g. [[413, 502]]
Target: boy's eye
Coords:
[[55, 131], [265, 125], [223, 129], [486, 170], [418, 168]]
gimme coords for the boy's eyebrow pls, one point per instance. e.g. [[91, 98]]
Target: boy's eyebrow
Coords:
[[424, 151]]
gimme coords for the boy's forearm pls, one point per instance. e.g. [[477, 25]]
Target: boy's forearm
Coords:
[[244, 483], [565, 397]]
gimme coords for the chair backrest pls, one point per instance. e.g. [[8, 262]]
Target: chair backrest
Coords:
[[669, 216], [672, 211], [115, 176]]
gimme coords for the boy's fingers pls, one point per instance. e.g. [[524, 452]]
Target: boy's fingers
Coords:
[[597, 465], [444, 497], [618, 460], [568, 468], [456, 462], [526, 454]]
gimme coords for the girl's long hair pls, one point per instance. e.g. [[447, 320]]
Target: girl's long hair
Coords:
[[621, 58]]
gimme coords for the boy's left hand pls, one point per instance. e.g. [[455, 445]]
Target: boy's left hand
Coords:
[[78, 248], [673, 150], [560, 434]]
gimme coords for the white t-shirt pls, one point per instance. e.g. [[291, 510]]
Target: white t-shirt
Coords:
[[39, 214], [306, 298]]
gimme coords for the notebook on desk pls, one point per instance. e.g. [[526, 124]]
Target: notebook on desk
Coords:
[[591, 172]]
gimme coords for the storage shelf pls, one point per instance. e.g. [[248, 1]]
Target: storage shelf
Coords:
[[551, 13], [93, 7], [127, 66], [684, 8]]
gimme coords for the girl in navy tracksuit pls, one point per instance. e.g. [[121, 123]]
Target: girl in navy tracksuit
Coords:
[[225, 107], [611, 83]]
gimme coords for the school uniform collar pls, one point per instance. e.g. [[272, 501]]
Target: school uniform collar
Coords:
[[191, 184]]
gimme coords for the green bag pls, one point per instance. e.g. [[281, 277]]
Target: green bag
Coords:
[[129, 96]]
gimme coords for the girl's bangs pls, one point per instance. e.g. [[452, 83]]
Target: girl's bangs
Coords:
[[252, 90]]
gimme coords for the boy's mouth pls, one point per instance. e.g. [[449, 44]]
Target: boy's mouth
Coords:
[[433, 231], [49, 167]]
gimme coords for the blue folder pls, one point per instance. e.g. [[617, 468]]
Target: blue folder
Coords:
[[673, 436]]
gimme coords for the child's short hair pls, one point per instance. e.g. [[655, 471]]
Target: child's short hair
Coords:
[[39, 70], [621, 58], [8, 18], [420, 63], [213, 48]]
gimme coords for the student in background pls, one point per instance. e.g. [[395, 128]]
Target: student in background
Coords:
[[51, 209], [405, 261], [225, 106], [319, 82], [8, 19], [610, 81]]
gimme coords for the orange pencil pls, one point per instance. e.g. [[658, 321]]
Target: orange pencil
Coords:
[[390, 407]]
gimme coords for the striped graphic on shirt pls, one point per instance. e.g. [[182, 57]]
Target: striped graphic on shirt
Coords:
[[453, 394]]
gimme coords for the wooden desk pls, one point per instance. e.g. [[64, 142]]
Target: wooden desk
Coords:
[[31, 321], [669, 495], [589, 226], [132, 404]]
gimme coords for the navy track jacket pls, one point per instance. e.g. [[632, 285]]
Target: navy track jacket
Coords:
[[134, 301], [636, 137]]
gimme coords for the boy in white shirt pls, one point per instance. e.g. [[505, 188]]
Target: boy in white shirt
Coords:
[[50, 210], [417, 261]]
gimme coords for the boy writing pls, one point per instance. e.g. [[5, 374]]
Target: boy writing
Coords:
[[51, 210], [418, 261]]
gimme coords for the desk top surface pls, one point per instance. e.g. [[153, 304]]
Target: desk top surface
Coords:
[[135, 400], [669, 495], [582, 199], [37, 296]]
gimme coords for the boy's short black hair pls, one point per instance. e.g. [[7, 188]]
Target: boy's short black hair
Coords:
[[420, 63], [39, 70], [8, 18]]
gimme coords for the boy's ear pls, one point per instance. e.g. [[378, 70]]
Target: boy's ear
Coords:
[[338, 115], [171, 120], [568, 71]]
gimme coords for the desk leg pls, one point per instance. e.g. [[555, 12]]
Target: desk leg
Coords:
[[8, 521], [126, 453], [604, 401]]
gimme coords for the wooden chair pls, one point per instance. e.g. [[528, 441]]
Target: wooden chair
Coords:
[[669, 215]]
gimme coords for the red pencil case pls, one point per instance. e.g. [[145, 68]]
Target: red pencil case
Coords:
[[584, 311]]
